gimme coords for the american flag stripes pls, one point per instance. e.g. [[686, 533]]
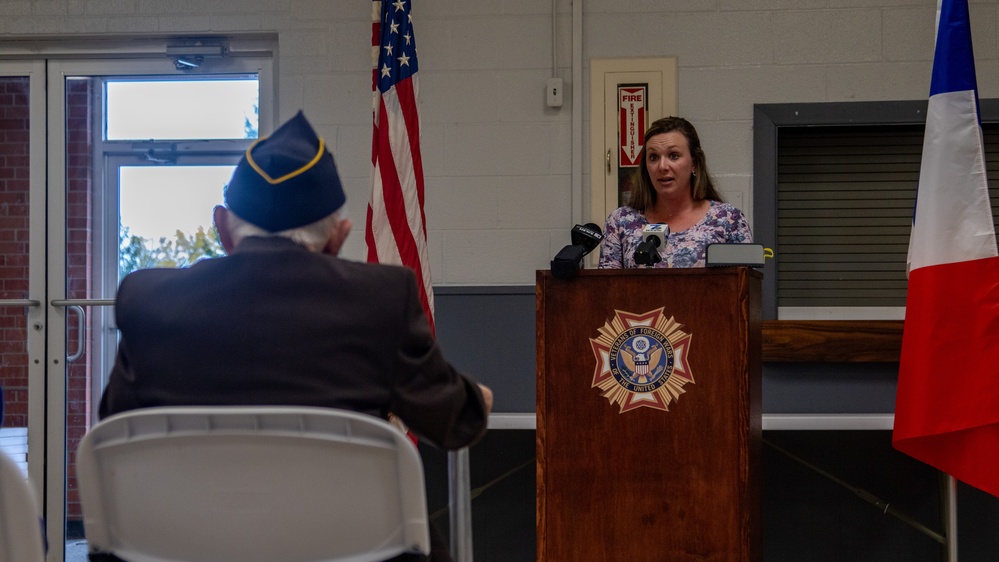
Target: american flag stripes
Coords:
[[396, 226]]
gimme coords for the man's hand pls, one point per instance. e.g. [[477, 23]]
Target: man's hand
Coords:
[[487, 397]]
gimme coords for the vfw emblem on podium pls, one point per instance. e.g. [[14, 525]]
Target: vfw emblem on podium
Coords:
[[641, 360]]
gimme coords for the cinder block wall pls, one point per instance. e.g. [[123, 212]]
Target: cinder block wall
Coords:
[[497, 160]]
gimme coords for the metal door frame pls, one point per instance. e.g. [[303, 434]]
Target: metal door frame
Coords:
[[48, 462], [35, 337]]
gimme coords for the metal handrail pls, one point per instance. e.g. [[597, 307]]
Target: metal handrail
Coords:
[[82, 302], [20, 302], [58, 302]]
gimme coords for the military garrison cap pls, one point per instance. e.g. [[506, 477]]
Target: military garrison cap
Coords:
[[286, 180]]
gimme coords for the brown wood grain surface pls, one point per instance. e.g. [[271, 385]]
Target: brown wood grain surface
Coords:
[[872, 341], [647, 484]]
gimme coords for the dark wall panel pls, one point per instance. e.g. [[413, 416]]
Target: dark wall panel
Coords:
[[488, 333]]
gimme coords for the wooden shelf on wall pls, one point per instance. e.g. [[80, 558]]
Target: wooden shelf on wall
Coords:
[[832, 341]]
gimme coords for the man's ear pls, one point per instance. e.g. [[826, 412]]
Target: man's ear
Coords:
[[338, 235], [221, 217]]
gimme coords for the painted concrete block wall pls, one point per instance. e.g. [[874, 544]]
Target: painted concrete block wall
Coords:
[[498, 161]]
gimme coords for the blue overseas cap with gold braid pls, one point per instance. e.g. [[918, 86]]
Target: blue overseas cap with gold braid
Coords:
[[286, 180]]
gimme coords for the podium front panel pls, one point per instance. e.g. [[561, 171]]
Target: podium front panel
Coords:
[[631, 473]]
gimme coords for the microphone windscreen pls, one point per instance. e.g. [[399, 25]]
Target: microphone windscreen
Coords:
[[587, 235]]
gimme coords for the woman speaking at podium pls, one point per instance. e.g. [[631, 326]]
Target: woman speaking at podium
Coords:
[[675, 190]]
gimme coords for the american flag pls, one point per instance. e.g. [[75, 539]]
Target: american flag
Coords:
[[396, 227]]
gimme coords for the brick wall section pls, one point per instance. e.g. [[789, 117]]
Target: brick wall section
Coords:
[[14, 192], [14, 202], [14, 248], [79, 267]]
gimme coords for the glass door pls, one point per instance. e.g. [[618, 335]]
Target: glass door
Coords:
[[22, 266], [130, 165]]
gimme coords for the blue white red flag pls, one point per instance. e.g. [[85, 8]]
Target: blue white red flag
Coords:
[[396, 225], [947, 402]]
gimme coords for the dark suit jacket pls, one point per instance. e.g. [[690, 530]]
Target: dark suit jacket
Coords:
[[275, 324]]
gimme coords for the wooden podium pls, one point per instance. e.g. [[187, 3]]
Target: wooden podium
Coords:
[[619, 477]]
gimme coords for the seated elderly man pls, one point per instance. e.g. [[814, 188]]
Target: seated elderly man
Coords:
[[282, 320]]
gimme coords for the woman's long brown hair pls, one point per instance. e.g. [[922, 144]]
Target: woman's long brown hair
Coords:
[[701, 185]]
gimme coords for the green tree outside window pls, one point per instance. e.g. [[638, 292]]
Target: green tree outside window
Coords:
[[136, 252]]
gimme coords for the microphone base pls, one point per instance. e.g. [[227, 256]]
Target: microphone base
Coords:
[[568, 261]]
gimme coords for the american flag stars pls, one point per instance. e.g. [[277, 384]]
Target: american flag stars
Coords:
[[397, 58]]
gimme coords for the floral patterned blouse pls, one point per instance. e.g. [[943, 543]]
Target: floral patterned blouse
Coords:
[[623, 233]]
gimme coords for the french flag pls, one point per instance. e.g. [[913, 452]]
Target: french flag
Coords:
[[947, 401]]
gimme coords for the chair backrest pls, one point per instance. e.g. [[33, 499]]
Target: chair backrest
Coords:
[[251, 484], [20, 525]]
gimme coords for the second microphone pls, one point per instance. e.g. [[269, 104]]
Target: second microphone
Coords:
[[654, 238]]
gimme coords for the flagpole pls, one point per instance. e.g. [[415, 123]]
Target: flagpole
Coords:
[[950, 512], [460, 503], [936, 25]]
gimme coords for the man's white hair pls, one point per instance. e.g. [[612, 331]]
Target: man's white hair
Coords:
[[313, 236]]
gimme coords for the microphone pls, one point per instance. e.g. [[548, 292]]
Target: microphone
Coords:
[[653, 237], [570, 258], [588, 236]]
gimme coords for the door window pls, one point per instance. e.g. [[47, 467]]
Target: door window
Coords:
[[139, 153]]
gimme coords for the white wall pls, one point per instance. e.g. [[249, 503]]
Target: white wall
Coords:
[[498, 161]]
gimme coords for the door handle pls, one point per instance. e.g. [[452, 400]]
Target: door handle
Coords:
[[81, 317]]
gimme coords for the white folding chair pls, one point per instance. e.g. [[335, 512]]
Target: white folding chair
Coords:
[[20, 525], [251, 484]]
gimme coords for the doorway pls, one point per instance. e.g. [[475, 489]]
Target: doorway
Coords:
[[92, 146]]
